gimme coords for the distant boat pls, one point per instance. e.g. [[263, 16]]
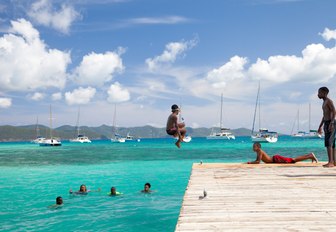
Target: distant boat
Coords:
[[51, 142], [117, 137], [224, 133], [131, 138], [311, 134], [263, 135], [80, 138], [39, 138]]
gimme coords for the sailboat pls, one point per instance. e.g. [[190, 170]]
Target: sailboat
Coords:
[[39, 138], [131, 138], [263, 135], [311, 134], [80, 137], [224, 133], [51, 141], [117, 138]]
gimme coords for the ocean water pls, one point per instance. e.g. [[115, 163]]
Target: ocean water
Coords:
[[31, 177]]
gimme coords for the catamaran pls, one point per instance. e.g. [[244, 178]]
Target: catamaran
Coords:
[[80, 137], [52, 141], [39, 138], [117, 137], [263, 135], [311, 134], [224, 133]]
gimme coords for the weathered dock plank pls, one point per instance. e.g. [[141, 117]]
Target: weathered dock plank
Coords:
[[264, 197]]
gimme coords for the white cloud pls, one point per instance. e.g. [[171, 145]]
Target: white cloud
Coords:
[[161, 20], [116, 93], [56, 96], [232, 70], [26, 63], [37, 96], [328, 34], [97, 69], [170, 54], [43, 13], [317, 64], [80, 96], [5, 102]]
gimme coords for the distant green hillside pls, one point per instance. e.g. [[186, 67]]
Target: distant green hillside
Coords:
[[27, 133]]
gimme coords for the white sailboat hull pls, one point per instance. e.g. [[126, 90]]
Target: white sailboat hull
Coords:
[[264, 139], [50, 143], [118, 140], [80, 140], [221, 136], [38, 140]]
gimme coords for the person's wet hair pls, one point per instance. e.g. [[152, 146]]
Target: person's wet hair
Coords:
[[148, 184], [83, 185]]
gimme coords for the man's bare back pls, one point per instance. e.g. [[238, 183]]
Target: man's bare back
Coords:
[[171, 122]]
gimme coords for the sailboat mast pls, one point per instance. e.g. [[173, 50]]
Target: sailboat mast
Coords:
[[50, 122], [255, 109], [77, 124], [298, 119], [114, 120], [37, 128], [309, 117], [221, 113]]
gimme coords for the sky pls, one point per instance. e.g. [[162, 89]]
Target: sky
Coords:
[[145, 55]]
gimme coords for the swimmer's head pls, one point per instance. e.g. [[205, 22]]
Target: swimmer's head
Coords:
[[147, 187], [59, 200], [82, 188], [113, 191]]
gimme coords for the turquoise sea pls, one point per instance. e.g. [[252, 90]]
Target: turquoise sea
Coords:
[[32, 177]]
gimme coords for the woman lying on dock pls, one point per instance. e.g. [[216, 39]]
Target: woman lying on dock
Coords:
[[261, 155]]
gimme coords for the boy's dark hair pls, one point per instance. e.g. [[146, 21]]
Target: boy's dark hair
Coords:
[[58, 199], [257, 144], [324, 89], [174, 107], [148, 184]]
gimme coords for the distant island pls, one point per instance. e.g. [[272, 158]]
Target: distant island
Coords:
[[66, 132]]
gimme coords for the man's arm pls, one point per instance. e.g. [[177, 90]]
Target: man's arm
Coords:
[[257, 161], [332, 110], [319, 130], [332, 114]]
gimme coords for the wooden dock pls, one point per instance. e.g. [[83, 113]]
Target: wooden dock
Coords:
[[264, 197]]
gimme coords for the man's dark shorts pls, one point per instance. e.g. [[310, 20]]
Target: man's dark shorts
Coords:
[[329, 136], [172, 131]]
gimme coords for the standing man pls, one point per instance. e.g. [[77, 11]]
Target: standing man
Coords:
[[174, 128], [328, 120]]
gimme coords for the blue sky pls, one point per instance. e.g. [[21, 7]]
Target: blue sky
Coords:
[[145, 56]]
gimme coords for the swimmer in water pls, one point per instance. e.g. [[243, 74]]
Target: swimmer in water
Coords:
[[114, 192], [59, 202], [82, 190], [147, 188]]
